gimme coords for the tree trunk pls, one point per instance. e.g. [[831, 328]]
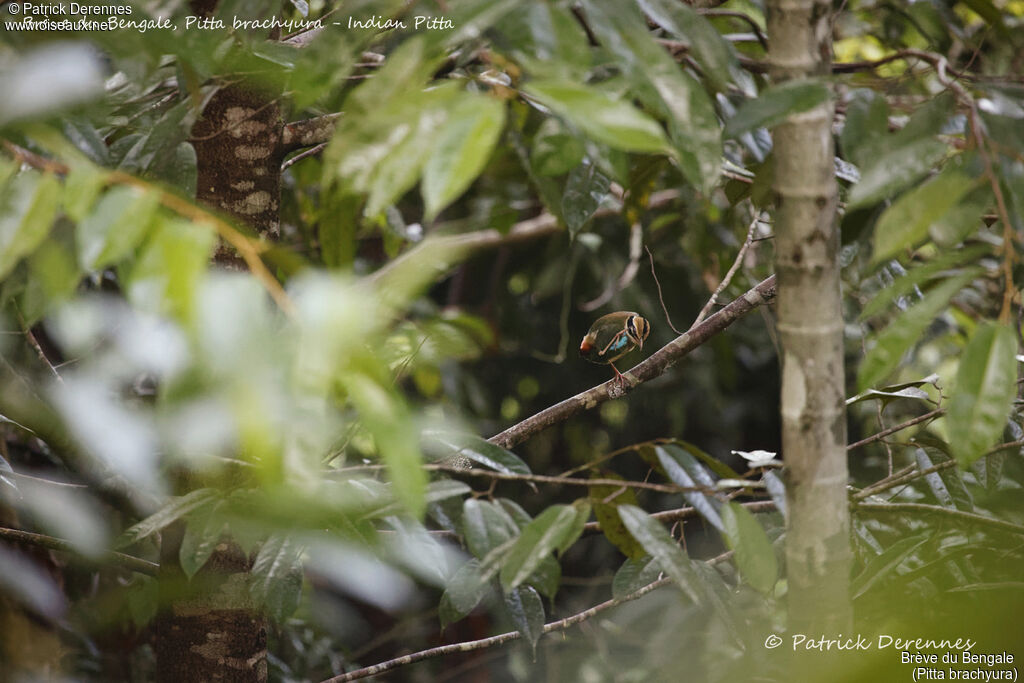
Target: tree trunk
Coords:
[[810, 330], [210, 630]]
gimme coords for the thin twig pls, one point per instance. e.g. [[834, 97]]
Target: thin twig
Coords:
[[972, 517], [687, 513], [661, 298], [636, 241], [896, 428], [732, 271], [302, 155], [572, 481], [34, 343]]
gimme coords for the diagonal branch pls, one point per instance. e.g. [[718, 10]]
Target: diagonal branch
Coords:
[[656, 365], [135, 564]]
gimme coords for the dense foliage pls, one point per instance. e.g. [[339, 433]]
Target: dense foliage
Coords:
[[489, 189]]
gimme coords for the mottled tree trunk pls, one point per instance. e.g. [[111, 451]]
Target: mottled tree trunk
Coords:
[[810, 330], [209, 629]]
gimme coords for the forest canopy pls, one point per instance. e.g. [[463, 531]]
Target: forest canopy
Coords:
[[291, 295]]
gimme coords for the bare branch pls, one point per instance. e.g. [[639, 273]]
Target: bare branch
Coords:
[[135, 564], [308, 132], [732, 271], [656, 365]]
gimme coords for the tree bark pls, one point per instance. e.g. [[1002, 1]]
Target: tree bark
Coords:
[[810, 330]]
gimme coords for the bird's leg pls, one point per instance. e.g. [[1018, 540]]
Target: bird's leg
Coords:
[[619, 378]]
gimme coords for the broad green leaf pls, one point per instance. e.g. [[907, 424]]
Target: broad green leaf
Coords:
[[556, 528], [894, 168], [886, 563], [486, 526], [169, 513], [385, 415], [28, 205], [984, 392], [81, 187], [526, 610], [600, 115], [437, 491], [664, 86], [606, 500], [775, 104], [946, 485], [905, 224], [963, 219], [203, 530], [866, 127], [547, 577], [710, 461], [547, 40], [755, 556], [918, 275], [463, 593], [709, 48], [480, 451], [116, 226], [684, 470], [53, 274], [657, 542], [634, 574], [142, 599], [465, 144], [556, 150], [905, 331], [585, 189], [166, 276], [276, 576]]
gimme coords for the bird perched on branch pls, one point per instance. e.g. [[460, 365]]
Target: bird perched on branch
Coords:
[[612, 336]]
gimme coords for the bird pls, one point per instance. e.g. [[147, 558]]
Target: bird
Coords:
[[612, 336]]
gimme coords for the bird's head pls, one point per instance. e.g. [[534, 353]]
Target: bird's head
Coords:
[[637, 329]]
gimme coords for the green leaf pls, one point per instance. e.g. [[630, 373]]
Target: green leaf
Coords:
[[664, 87], [710, 461], [464, 591], [634, 574], [916, 276], [775, 104], [480, 451], [526, 610], [984, 392], [585, 189], [714, 54], [905, 224], [657, 542], [755, 556], [963, 219], [166, 276], [607, 514], [385, 415], [81, 187], [556, 528], [486, 526], [142, 599], [886, 563], [203, 530], [555, 149], [894, 168], [947, 485], [600, 115], [905, 331], [463, 148], [169, 513], [53, 274], [684, 470], [28, 205], [116, 225], [276, 576]]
